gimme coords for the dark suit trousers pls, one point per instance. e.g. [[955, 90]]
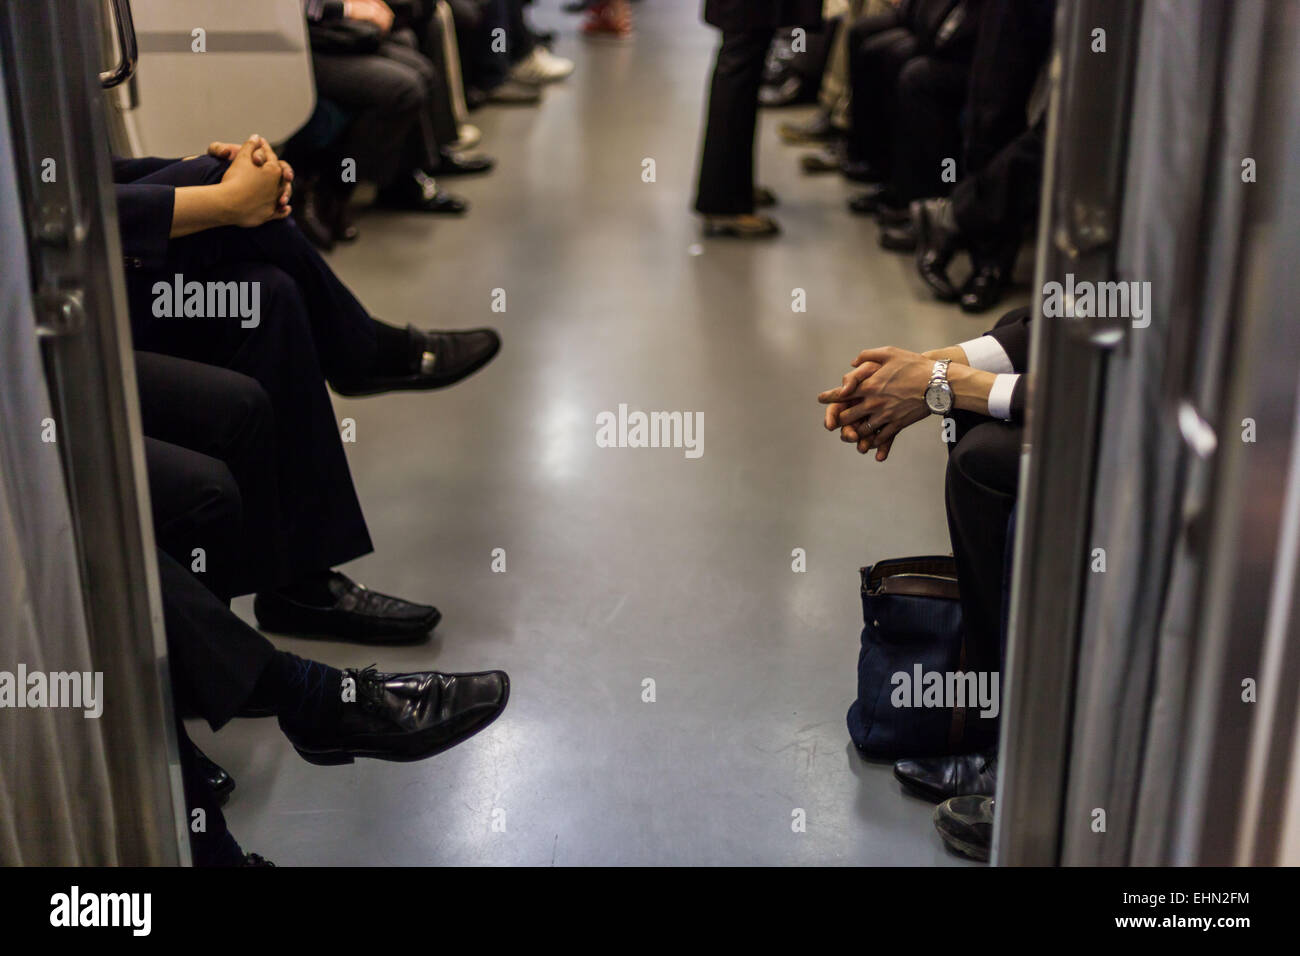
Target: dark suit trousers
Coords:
[[931, 92], [994, 206], [210, 451], [980, 494], [726, 185], [877, 52]]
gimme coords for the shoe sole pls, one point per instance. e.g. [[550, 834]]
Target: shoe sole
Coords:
[[336, 758], [404, 635]]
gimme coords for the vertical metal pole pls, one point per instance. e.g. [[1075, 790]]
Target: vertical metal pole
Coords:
[[51, 54]]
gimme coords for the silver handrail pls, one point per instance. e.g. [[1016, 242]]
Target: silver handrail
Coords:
[[128, 53]]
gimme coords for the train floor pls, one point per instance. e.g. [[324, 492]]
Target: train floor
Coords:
[[629, 573]]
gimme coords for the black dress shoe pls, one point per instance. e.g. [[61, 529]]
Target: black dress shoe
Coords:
[[984, 288], [823, 161], [404, 716], [938, 778], [937, 241], [861, 171], [966, 825], [214, 775], [764, 197], [311, 213], [439, 359], [451, 163], [356, 614], [784, 93], [888, 214], [254, 859], [869, 201], [900, 238], [419, 192]]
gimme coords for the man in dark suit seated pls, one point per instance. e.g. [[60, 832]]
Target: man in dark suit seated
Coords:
[[208, 494], [980, 387], [212, 219]]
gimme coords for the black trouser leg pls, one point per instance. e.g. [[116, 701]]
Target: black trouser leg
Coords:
[[930, 96], [994, 206], [323, 523], [726, 184], [876, 56], [980, 493], [210, 450]]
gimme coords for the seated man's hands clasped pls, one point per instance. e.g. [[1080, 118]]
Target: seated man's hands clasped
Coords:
[[881, 395], [258, 184]]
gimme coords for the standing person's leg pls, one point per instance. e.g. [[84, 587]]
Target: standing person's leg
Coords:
[[726, 182]]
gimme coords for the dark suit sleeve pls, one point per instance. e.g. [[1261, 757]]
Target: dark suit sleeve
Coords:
[[1012, 333], [144, 218], [1018, 396]]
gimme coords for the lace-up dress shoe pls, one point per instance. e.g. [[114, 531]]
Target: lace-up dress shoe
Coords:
[[938, 778], [966, 825], [419, 192], [404, 716], [870, 200], [356, 614], [216, 777], [983, 289], [438, 359], [937, 241]]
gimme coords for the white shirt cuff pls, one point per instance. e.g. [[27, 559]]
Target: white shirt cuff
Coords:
[[987, 354], [1000, 396]]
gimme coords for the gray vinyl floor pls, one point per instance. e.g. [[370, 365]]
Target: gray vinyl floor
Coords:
[[624, 565]]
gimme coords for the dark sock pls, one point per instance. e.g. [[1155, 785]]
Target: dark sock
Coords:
[[311, 589], [395, 349], [305, 693]]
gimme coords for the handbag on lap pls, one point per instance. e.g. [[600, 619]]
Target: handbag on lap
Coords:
[[912, 629]]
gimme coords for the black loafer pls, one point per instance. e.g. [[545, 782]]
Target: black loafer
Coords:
[[900, 238], [404, 717], [419, 192], [966, 825], [441, 359], [461, 164], [869, 201], [216, 777], [938, 778], [357, 614], [983, 289], [935, 247]]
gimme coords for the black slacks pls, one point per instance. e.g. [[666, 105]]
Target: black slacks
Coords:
[[310, 327], [980, 495], [210, 451], [877, 51], [994, 206], [931, 92], [726, 184]]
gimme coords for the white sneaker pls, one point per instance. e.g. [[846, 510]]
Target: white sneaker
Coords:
[[541, 66], [470, 135]]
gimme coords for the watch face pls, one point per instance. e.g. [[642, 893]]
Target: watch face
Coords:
[[938, 398]]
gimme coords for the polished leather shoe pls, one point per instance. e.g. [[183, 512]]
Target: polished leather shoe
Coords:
[[438, 359], [419, 192], [938, 778], [966, 825], [404, 716], [900, 238], [221, 782], [983, 289], [255, 859], [890, 215], [869, 201], [764, 197], [860, 171], [937, 241], [451, 163], [827, 160], [356, 614]]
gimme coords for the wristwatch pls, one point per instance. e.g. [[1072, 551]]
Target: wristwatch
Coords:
[[938, 394]]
